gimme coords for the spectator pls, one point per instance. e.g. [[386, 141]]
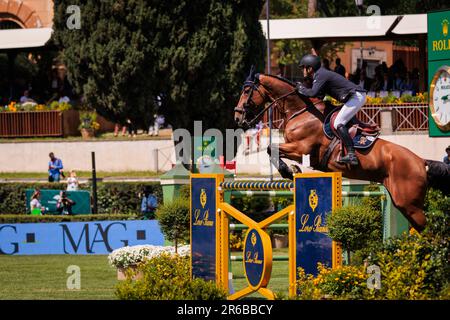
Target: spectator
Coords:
[[26, 98], [64, 204], [326, 64], [398, 82], [158, 123], [447, 157], [131, 129], [72, 181], [412, 81], [55, 167], [339, 67], [117, 128], [64, 99], [387, 83], [149, 204], [364, 82], [35, 203]]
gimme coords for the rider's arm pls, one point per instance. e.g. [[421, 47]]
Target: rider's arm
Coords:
[[317, 86]]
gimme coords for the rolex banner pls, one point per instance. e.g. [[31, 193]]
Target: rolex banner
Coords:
[[439, 73]]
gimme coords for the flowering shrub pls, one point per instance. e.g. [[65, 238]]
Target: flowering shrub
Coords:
[[345, 282], [135, 255], [88, 120], [404, 98], [18, 107], [168, 277]]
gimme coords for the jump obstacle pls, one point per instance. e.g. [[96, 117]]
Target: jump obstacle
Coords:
[[314, 195]]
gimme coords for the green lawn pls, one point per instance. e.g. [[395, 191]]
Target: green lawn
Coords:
[[45, 277], [279, 281]]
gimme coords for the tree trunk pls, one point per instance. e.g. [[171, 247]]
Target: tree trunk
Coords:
[[176, 244], [348, 257], [312, 8]]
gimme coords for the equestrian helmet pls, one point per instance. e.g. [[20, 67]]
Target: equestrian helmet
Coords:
[[310, 60]]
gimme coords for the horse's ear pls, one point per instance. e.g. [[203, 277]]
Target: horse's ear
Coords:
[[256, 77], [251, 73]]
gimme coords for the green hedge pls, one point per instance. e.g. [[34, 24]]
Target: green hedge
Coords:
[[167, 278], [113, 197], [22, 218]]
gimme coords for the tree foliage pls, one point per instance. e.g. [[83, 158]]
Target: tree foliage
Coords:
[[356, 227], [193, 54]]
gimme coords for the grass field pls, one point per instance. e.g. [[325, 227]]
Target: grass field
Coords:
[[45, 277]]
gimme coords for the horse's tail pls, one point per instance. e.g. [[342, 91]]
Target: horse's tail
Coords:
[[438, 175]]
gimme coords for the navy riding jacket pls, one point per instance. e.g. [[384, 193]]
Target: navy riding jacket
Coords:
[[326, 82]]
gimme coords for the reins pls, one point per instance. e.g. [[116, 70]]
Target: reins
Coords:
[[275, 102]]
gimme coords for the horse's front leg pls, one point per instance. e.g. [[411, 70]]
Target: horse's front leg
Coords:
[[292, 150]]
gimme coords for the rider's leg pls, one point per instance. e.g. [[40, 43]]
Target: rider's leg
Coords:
[[348, 111]]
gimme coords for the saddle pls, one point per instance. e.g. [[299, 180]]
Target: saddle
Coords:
[[363, 134]]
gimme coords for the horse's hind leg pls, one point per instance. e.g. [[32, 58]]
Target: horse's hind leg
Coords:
[[408, 197]]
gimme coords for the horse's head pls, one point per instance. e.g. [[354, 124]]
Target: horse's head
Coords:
[[252, 97]]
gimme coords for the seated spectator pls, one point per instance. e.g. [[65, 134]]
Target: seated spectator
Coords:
[[72, 181], [398, 82], [64, 204], [387, 83], [412, 81], [64, 99], [149, 204], [339, 67], [35, 203], [377, 84], [55, 167], [26, 98]]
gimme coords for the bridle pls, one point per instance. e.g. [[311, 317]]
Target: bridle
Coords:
[[273, 102]]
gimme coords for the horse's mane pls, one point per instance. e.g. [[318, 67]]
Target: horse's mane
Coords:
[[289, 82], [328, 106]]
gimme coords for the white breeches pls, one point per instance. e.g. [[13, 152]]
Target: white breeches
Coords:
[[350, 108]]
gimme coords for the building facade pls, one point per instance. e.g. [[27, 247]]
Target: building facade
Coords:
[[26, 14]]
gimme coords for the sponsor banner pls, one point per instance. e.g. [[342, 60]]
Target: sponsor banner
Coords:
[[97, 237]]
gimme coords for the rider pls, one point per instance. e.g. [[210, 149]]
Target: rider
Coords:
[[338, 87]]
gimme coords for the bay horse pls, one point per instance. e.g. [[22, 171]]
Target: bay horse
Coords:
[[405, 175]]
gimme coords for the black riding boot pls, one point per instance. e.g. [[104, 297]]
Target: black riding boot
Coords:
[[350, 158]]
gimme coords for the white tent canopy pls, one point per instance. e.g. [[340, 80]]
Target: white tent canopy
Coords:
[[412, 24], [344, 27], [24, 38]]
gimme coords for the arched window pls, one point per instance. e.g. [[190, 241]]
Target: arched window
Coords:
[[9, 24]]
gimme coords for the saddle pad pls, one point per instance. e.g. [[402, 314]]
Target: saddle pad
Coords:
[[361, 140]]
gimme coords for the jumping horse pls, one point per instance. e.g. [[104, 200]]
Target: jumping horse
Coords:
[[405, 175]]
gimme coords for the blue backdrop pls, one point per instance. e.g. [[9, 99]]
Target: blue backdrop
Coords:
[[98, 237]]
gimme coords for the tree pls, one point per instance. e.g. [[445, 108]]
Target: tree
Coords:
[[193, 54], [174, 219], [355, 227]]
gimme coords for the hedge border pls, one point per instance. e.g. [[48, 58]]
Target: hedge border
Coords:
[[21, 218]]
